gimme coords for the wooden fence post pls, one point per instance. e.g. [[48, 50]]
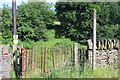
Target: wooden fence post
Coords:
[[41, 59], [31, 60], [50, 58], [94, 40], [34, 59], [71, 55], [53, 58], [58, 56], [44, 59], [76, 55], [57, 52]]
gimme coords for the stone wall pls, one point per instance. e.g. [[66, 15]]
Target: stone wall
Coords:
[[5, 61], [106, 52]]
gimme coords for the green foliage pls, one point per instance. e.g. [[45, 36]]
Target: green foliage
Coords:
[[70, 72], [76, 21], [51, 43], [33, 19], [115, 13], [6, 23], [100, 72], [118, 32], [108, 32]]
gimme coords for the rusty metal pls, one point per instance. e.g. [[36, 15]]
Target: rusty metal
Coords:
[[14, 16], [23, 66]]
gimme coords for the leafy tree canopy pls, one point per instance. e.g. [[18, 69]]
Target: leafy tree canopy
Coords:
[[33, 19], [76, 19]]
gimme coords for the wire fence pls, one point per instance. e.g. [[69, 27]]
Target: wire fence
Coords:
[[45, 59]]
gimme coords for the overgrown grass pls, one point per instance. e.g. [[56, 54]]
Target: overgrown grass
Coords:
[[67, 71], [70, 72], [100, 72], [51, 43]]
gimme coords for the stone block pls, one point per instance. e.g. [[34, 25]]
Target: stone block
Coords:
[[6, 50]]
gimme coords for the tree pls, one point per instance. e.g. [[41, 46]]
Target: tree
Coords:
[[115, 13], [6, 23], [76, 19], [0, 25], [33, 19], [108, 32], [118, 33]]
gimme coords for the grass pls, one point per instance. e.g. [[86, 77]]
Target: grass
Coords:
[[52, 42], [100, 72], [67, 71], [70, 72]]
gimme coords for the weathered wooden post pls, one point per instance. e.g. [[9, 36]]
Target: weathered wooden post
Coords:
[[76, 56], [53, 62], [44, 59], [94, 40], [58, 56]]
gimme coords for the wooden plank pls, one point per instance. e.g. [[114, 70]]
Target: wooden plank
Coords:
[[105, 43], [102, 45], [89, 41]]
